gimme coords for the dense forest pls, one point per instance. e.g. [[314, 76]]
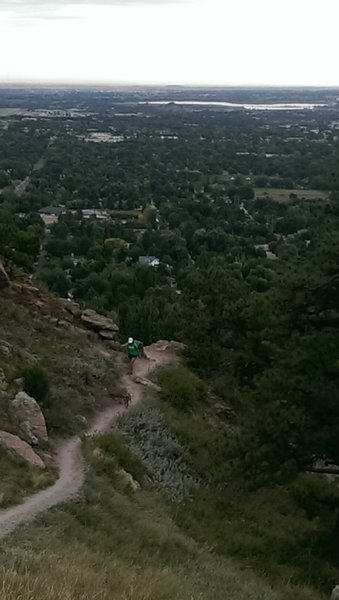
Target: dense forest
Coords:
[[239, 212]]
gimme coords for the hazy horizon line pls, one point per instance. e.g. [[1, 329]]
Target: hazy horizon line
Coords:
[[112, 85]]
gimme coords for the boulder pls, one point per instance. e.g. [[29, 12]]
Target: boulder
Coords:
[[31, 419], [93, 320], [107, 334], [17, 447], [82, 421], [335, 593], [4, 280], [128, 481], [164, 346], [146, 382]]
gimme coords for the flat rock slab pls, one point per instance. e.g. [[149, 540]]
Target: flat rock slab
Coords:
[[17, 447], [107, 334], [93, 320]]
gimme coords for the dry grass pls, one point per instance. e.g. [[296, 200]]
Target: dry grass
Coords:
[[110, 546], [118, 545], [17, 479]]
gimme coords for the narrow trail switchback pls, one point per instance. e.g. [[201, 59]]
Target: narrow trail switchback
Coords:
[[69, 457]]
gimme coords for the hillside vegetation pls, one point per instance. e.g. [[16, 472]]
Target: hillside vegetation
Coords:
[[115, 543], [175, 535]]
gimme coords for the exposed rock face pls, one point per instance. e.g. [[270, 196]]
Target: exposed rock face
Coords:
[[17, 447], [30, 417], [4, 280], [335, 593], [93, 320]]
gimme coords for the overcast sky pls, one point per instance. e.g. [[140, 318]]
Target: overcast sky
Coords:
[[222, 42]]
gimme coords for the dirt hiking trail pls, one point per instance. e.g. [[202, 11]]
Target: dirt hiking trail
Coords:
[[69, 458]]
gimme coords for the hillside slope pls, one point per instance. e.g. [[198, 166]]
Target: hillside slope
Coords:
[[37, 332], [121, 538]]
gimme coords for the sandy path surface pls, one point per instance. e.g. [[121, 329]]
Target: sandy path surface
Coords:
[[69, 458]]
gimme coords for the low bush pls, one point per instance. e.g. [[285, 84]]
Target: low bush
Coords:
[[147, 436], [180, 387], [315, 495], [114, 454], [36, 384]]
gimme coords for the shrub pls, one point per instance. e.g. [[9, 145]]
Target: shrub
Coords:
[[180, 387], [36, 384], [114, 449], [150, 440], [315, 495]]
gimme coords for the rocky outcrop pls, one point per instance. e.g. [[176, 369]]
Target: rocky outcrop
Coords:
[[107, 334], [99, 323], [4, 280], [26, 287], [72, 307], [30, 417], [165, 346], [3, 381], [335, 593], [18, 448]]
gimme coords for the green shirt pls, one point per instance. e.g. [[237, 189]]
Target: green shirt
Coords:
[[133, 349]]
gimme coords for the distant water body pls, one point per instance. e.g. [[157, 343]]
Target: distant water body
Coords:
[[273, 106]]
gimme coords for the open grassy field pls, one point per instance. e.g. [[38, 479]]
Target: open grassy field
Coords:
[[283, 195], [9, 112]]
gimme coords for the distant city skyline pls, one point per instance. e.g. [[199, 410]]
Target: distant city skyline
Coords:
[[169, 42]]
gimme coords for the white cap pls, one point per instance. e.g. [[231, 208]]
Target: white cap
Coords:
[[130, 340]]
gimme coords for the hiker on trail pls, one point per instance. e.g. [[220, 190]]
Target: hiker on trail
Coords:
[[135, 349], [133, 352]]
